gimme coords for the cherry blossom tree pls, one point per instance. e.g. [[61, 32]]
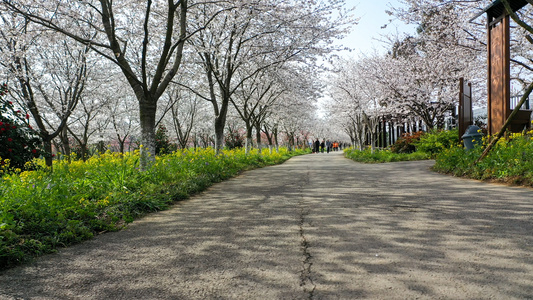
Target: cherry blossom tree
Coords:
[[256, 97], [256, 35], [454, 31], [357, 99], [145, 39], [294, 115], [50, 79], [418, 77], [90, 119], [186, 112], [90, 123], [453, 18]]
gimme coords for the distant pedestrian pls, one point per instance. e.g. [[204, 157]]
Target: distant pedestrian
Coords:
[[317, 146], [322, 146], [328, 146]]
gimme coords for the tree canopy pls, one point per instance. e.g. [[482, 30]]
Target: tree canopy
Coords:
[[112, 72]]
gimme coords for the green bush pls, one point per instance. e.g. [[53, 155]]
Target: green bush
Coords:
[[510, 161], [381, 156], [162, 141], [406, 144], [234, 139], [19, 143], [436, 141]]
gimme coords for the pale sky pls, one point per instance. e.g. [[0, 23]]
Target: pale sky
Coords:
[[365, 35]]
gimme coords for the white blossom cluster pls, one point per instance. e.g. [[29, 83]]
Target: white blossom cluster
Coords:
[[417, 80], [113, 71]]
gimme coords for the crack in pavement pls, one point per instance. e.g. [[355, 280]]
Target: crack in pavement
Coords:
[[306, 280], [305, 275]]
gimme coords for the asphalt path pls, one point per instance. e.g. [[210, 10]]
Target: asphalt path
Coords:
[[316, 227]]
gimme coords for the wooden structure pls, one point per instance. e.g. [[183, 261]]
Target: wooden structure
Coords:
[[466, 114], [499, 78]]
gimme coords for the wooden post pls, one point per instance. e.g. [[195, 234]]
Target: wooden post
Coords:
[[499, 79], [466, 116]]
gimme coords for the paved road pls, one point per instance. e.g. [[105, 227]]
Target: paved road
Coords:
[[317, 227]]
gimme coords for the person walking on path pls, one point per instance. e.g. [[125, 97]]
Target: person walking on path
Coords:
[[317, 146], [328, 146], [322, 145]]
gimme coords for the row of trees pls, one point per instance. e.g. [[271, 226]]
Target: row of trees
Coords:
[[108, 69], [113, 71], [417, 79]]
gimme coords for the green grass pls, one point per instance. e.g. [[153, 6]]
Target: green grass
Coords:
[[382, 156], [426, 144], [42, 210], [511, 161]]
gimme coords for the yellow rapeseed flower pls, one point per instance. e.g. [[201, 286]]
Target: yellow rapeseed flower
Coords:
[[24, 176], [103, 202]]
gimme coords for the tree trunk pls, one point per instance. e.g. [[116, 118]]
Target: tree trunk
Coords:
[[66, 144], [219, 134], [275, 133], [290, 141], [147, 110], [248, 144], [361, 142], [84, 151], [249, 140], [220, 123], [121, 145], [269, 139], [47, 144], [258, 136]]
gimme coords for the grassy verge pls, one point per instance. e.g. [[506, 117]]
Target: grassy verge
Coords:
[[411, 146], [381, 156], [41, 210], [511, 161]]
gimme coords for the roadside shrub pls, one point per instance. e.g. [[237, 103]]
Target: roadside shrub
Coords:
[[406, 144], [455, 160], [162, 141], [381, 156], [436, 141], [234, 139], [510, 161], [19, 143]]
